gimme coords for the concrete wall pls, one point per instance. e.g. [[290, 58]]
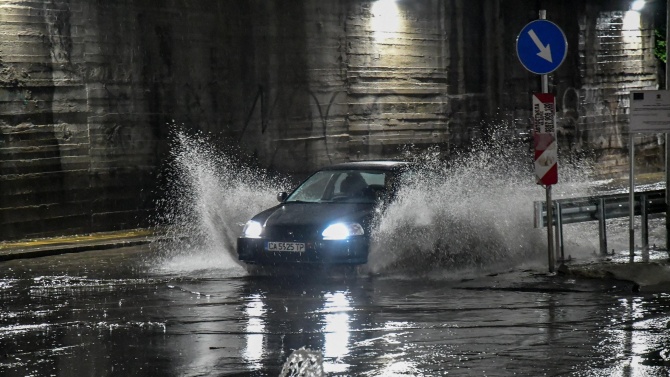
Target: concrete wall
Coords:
[[615, 57], [77, 150], [88, 88]]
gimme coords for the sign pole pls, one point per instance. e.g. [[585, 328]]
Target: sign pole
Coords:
[[667, 139], [550, 230], [550, 211], [631, 199], [541, 47]]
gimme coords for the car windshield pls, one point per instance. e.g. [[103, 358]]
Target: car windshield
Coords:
[[351, 186]]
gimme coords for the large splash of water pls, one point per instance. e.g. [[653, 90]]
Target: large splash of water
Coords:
[[474, 210], [210, 193], [471, 211]]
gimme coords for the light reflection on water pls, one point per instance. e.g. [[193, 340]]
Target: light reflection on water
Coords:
[[334, 327], [632, 338], [254, 350], [337, 309], [398, 368], [7, 284]]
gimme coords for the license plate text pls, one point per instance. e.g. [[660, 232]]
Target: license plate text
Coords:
[[286, 246]]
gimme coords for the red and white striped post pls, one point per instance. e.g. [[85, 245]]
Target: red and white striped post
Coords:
[[544, 139], [546, 155]]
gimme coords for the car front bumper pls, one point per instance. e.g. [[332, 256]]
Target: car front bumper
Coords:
[[349, 251]]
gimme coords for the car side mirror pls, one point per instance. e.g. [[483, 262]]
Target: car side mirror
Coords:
[[281, 197]]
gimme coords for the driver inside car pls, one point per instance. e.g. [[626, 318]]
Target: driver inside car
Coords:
[[353, 186]]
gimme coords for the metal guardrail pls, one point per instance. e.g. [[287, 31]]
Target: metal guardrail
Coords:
[[600, 208]]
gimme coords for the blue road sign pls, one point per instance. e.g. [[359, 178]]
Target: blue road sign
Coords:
[[541, 46]]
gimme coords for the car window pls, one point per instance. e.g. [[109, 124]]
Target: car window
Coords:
[[337, 184], [374, 178], [352, 186], [313, 189]]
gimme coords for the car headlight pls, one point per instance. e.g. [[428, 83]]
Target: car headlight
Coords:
[[252, 229], [342, 231]]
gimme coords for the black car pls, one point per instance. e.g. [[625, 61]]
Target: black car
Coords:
[[326, 220]]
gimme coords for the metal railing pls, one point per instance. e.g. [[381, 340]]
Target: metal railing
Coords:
[[600, 208]]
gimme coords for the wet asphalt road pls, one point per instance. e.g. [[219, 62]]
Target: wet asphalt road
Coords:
[[111, 313]]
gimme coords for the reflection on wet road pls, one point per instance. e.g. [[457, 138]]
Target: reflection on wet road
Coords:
[[109, 313]]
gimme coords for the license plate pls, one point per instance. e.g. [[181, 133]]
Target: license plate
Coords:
[[286, 246]]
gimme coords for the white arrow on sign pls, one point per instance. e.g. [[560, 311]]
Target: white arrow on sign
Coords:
[[545, 52]]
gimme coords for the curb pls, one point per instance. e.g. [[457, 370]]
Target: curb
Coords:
[[48, 251], [74, 244], [653, 276]]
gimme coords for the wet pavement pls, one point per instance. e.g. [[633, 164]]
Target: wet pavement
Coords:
[[119, 312]]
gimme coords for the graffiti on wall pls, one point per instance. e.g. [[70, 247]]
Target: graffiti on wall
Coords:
[[272, 117]]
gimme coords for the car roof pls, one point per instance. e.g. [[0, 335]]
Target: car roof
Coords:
[[373, 164]]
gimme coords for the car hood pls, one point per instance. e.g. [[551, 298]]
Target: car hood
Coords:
[[305, 214]]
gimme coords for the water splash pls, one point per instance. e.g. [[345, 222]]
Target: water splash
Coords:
[[210, 193], [303, 362], [472, 211]]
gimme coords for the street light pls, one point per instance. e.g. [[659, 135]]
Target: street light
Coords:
[[637, 5], [385, 20]]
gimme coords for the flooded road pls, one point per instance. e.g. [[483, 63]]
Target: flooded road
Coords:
[[110, 313]]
